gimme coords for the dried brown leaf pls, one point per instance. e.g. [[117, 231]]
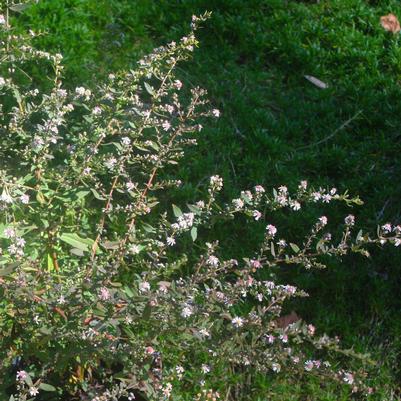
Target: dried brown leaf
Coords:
[[317, 82], [390, 23], [284, 321]]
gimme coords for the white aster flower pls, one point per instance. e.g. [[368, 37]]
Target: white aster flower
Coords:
[[316, 196], [276, 367], [24, 199], [96, 111], [326, 198], [216, 182], [6, 198], [238, 203], [303, 185], [110, 163], [308, 365], [213, 261], [166, 125], [61, 300], [348, 378], [350, 220], [9, 232], [80, 91], [167, 389], [104, 294], [33, 391], [216, 113], [204, 333], [178, 84], [205, 369], [170, 241], [144, 286], [126, 141], [295, 205], [237, 322], [187, 311]]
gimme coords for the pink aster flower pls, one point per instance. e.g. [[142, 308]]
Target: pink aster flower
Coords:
[[21, 375], [271, 230]]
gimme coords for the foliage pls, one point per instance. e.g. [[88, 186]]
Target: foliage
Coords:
[[91, 35], [100, 285]]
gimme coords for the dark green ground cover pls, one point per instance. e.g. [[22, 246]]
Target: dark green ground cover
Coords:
[[278, 128]]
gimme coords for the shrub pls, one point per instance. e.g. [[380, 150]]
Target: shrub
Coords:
[[100, 299]]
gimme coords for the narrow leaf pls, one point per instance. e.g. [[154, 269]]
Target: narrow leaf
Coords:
[[194, 233], [317, 82], [177, 211], [97, 195], [47, 387], [5, 271], [84, 244], [149, 89], [19, 7]]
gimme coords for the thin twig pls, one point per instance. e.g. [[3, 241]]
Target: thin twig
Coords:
[[228, 393], [340, 128], [116, 179]]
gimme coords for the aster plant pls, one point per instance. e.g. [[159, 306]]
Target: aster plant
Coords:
[[98, 299]]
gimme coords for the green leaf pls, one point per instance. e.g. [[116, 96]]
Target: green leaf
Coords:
[[50, 264], [154, 145], [148, 228], [2, 228], [194, 209], [97, 195], [40, 198], [46, 331], [177, 211], [19, 8], [77, 252], [320, 246], [110, 244], [149, 89], [28, 381], [194, 233], [47, 387], [139, 146], [17, 95], [89, 119], [272, 250], [128, 291], [147, 312], [81, 194], [84, 244], [294, 247], [9, 269]]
